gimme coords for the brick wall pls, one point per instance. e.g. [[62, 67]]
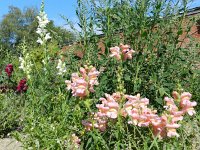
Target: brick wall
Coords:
[[184, 38]]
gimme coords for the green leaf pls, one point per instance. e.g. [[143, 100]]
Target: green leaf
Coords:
[[159, 101], [161, 91], [127, 77]]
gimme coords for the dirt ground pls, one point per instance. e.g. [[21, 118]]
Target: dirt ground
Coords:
[[10, 144]]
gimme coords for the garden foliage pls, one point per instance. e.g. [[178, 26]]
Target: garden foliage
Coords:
[[135, 86]]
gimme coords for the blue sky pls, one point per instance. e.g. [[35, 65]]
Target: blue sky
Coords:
[[195, 3], [54, 8]]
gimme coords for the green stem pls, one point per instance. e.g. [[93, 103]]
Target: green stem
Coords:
[[120, 72]]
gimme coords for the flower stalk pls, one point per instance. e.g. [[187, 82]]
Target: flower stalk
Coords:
[[25, 60], [44, 35]]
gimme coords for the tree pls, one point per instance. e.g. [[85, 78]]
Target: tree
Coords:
[[61, 35], [18, 24]]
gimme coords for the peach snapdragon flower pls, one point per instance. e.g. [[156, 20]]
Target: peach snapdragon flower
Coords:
[[98, 122], [115, 52], [136, 108], [109, 106], [186, 105], [75, 140], [166, 125], [127, 52], [82, 85], [139, 113], [172, 109], [122, 52]]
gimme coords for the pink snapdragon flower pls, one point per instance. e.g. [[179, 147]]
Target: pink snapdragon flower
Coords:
[[136, 108], [172, 109], [109, 106], [127, 52], [165, 126], [75, 140], [122, 52], [98, 122], [82, 85], [9, 70], [115, 52], [186, 105], [88, 125]]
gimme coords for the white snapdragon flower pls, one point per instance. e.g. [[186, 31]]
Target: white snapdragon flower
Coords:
[[44, 35], [61, 67], [41, 30], [43, 20], [26, 65], [43, 62], [40, 41], [47, 36], [22, 63]]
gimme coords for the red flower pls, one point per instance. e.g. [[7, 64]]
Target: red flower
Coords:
[[9, 69], [22, 86]]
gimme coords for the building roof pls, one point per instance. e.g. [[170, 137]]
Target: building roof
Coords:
[[193, 11]]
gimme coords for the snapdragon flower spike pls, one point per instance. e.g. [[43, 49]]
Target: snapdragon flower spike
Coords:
[[42, 23], [136, 108], [61, 67], [98, 122], [9, 69], [22, 86], [75, 140], [173, 110], [26, 64], [122, 52], [186, 105], [109, 106], [82, 85], [108, 109], [167, 124], [164, 127]]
